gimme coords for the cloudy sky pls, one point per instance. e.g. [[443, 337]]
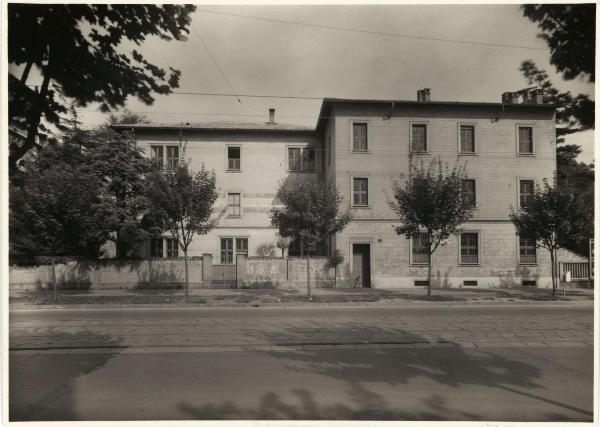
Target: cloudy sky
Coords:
[[285, 51]]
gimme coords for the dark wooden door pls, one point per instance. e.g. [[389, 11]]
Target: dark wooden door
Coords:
[[361, 265]]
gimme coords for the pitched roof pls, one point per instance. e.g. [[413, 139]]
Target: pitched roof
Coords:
[[219, 125]]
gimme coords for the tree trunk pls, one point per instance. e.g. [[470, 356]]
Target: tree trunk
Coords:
[[54, 279], [553, 272], [335, 276], [429, 276], [187, 284], [308, 273]]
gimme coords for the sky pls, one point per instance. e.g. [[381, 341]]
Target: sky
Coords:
[[268, 57]]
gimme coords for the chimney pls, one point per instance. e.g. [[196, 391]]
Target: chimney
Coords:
[[539, 96], [427, 94], [271, 116], [420, 95]]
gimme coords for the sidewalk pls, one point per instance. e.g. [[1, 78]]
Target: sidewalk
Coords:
[[288, 297]]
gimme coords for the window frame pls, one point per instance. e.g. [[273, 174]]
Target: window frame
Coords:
[[227, 168], [475, 151], [519, 262], [519, 180], [411, 255], [460, 245], [533, 133], [352, 178], [164, 164], [174, 242], [227, 203], [426, 124], [367, 126], [302, 148], [234, 250], [151, 251]]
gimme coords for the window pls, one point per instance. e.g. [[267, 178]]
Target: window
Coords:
[[525, 192], [469, 248], [360, 191], [421, 282], [233, 204], [469, 282], [172, 248], [233, 158], [469, 192], [241, 246], [525, 140], [359, 137], [419, 138], [227, 250], [467, 139], [228, 254], [172, 157], [156, 247], [157, 155], [299, 248], [529, 283], [527, 250], [301, 159], [420, 250]]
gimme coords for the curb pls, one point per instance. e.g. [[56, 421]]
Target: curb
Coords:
[[29, 307]]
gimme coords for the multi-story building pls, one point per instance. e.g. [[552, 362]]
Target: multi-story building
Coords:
[[361, 146]]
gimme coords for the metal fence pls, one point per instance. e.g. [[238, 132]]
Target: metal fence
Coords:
[[579, 270], [224, 276]]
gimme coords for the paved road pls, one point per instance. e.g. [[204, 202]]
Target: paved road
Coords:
[[514, 363]]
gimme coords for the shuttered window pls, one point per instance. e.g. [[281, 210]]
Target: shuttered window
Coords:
[[419, 138], [359, 137], [525, 140], [467, 139]]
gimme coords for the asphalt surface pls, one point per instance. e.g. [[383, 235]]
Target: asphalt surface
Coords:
[[500, 363]]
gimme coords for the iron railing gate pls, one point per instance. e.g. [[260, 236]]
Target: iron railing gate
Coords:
[[224, 276]]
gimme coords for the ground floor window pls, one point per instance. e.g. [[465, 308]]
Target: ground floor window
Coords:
[[164, 247], [420, 251], [299, 248], [469, 248], [231, 247], [527, 252]]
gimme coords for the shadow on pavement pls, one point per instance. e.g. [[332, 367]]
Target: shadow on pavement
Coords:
[[49, 382]]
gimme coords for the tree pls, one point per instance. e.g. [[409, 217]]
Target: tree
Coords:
[[310, 214], [183, 204], [57, 210], [570, 32], [548, 219], [80, 52], [431, 200], [127, 117], [283, 243]]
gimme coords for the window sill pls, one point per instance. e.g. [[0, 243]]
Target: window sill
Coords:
[[297, 171], [524, 264], [469, 265], [525, 154], [420, 153], [360, 207], [412, 264], [233, 216], [467, 154], [233, 171], [360, 152]]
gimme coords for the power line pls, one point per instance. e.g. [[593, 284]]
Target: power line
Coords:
[[215, 61], [378, 33], [249, 95]]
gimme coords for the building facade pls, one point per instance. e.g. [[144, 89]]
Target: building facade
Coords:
[[361, 147]]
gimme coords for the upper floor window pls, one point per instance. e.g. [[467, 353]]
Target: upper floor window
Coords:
[[527, 250], [359, 137], [418, 138], [469, 189], [526, 190], [525, 140], [469, 248], [157, 155], [467, 139], [420, 249], [360, 191], [301, 159], [233, 204], [233, 158]]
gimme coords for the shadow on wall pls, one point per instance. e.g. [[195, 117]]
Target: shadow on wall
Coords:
[[512, 278], [357, 370], [54, 377], [266, 250]]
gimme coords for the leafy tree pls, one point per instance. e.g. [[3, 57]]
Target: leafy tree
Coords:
[[431, 200], [310, 214], [57, 210], [570, 32], [183, 204], [80, 52], [283, 243], [127, 117], [548, 219]]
